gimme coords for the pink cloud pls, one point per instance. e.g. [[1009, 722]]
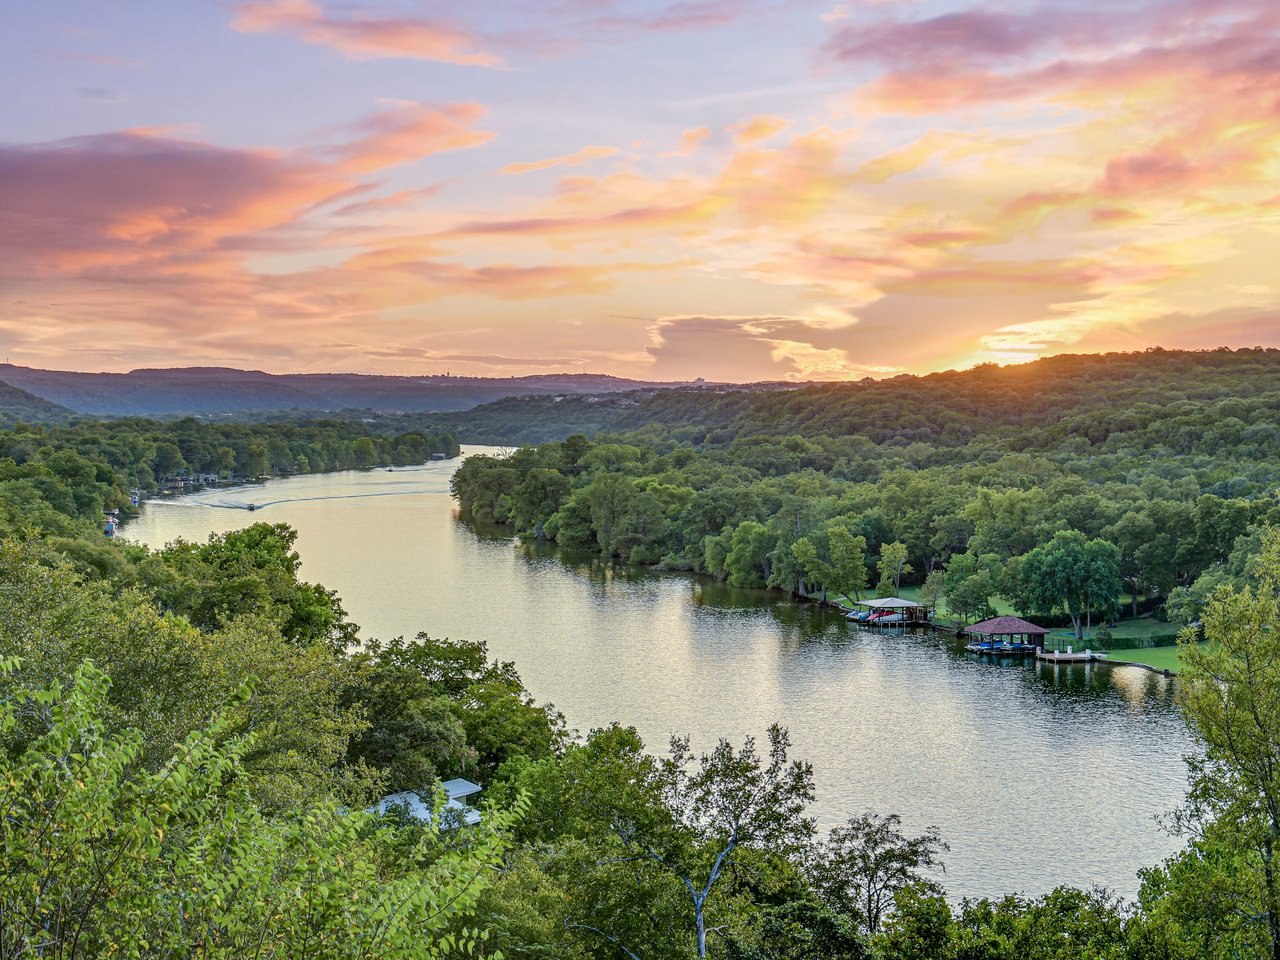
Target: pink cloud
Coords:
[[364, 36], [406, 131], [125, 197], [975, 57]]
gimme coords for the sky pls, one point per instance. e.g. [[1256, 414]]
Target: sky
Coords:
[[667, 189]]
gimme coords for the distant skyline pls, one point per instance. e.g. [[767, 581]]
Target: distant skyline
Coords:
[[661, 190]]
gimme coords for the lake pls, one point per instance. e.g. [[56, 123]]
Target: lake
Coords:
[[1036, 775]]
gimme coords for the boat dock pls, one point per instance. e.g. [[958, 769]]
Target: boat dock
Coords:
[[1068, 656]]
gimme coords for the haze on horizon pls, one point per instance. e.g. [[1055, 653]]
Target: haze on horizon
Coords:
[[734, 189]]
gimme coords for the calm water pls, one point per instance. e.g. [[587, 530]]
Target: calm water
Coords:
[[1036, 775]]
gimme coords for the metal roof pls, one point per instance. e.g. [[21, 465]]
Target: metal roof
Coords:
[[889, 602], [1006, 626]]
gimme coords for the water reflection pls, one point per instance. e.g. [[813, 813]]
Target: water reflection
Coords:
[[901, 721]]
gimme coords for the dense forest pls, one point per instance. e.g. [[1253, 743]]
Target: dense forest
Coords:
[[193, 736], [62, 478], [977, 487], [1023, 404]]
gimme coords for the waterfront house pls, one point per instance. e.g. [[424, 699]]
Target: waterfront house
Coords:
[[456, 811]]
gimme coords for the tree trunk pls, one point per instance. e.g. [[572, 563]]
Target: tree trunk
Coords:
[[1273, 900], [702, 929]]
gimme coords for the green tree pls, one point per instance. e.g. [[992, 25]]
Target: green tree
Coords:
[[862, 866], [364, 453], [99, 857], [747, 560], [1070, 574], [934, 590], [891, 566], [609, 496], [843, 569], [1232, 702], [970, 584]]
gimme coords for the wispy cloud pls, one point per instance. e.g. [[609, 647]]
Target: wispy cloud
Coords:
[[585, 155], [363, 35]]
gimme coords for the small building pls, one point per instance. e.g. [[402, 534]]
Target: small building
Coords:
[[456, 812], [1006, 635]]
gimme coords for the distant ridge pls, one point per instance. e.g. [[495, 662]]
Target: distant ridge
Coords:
[[1094, 391], [16, 404], [224, 390]]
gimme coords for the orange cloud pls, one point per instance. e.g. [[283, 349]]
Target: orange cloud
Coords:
[[364, 36], [690, 140], [406, 131], [569, 160], [758, 129]]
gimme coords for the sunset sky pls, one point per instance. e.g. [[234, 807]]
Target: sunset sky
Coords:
[[720, 188]]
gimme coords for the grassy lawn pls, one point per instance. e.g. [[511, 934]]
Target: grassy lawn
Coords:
[[1162, 658], [1132, 629]]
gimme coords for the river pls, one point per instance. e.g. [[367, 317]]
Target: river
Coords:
[[1037, 775]]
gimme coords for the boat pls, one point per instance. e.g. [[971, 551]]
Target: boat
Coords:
[[251, 507]]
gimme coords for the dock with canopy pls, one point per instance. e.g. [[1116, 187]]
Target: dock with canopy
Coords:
[[890, 610], [1006, 635]]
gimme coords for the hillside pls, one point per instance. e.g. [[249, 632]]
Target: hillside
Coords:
[[1087, 394], [208, 390], [17, 405]]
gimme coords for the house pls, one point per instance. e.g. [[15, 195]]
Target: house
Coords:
[[456, 812]]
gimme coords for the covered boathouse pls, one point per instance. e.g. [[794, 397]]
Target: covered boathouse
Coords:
[[1006, 635], [890, 610]]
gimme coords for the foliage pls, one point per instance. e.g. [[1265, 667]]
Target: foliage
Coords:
[[863, 864], [755, 487], [100, 857], [1069, 574], [441, 707], [1232, 703]]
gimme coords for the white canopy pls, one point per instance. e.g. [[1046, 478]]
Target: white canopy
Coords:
[[889, 603]]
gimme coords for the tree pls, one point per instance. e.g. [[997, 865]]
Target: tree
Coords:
[[364, 453], [934, 590], [891, 566], [609, 496], [1070, 574], [1232, 702], [168, 459], [99, 857], [843, 569], [695, 819], [541, 493], [848, 561], [970, 582], [747, 561], [1131, 533], [798, 929], [862, 866]]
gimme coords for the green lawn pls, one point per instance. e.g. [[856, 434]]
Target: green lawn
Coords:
[[1132, 629], [1162, 658]]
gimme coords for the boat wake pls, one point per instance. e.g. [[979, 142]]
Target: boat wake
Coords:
[[255, 506]]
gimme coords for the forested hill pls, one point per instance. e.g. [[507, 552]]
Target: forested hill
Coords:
[[18, 405], [1043, 402], [214, 390]]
